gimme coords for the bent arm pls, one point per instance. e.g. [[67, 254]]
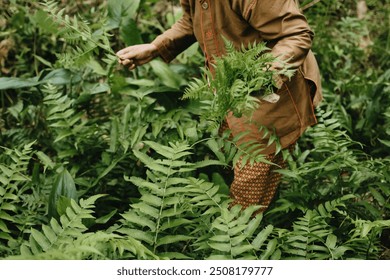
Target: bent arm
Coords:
[[280, 21], [178, 38]]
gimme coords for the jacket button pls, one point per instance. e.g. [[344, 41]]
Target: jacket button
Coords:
[[205, 5]]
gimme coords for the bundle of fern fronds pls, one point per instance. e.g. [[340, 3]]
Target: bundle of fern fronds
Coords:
[[241, 78]]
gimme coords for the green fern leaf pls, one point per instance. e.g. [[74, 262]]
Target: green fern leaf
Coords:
[[139, 235], [133, 218], [262, 236], [152, 164], [239, 250], [49, 234], [152, 200], [154, 188], [41, 239], [220, 238], [176, 223], [271, 248], [169, 239], [147, 209], [223, 247]]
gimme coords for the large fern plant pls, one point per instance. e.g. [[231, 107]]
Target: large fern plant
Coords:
[[13, 183], [164, 203], [181, 216], [68, 238]]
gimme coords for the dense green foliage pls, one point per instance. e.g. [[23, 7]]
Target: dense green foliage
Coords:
[[100, 163]]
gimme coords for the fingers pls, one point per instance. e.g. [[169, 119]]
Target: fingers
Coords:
[[136, 55], [126, 53], [130, 63], [132, 66], [126, 57], [125, 62]]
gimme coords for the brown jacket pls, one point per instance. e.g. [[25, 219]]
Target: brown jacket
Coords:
[[283, 27]]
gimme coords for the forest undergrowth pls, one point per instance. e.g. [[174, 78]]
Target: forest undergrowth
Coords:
[[98, 162]]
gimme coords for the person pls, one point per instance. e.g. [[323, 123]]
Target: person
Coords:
[[286, 32]]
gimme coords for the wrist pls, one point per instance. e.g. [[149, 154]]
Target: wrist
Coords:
[[154, 50]]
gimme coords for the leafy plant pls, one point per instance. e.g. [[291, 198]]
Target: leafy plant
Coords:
[[230, 150], [233, 236], [240, 78], [13, 180], [78, 34], [162, 204], [68, 239], [62, 193]]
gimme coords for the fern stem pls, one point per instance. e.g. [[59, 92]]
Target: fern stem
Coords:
[[161, 208]]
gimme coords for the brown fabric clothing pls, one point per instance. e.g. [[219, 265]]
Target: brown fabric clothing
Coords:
[[288, 117], [243, 22]]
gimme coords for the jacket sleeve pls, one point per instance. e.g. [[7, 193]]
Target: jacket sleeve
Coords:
[[178, 38], [281, 22]]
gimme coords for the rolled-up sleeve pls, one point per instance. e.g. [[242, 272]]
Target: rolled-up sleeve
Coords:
[[178, 38], [280, 21]]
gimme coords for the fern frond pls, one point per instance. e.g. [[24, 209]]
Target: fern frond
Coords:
[[160, 205], [196, 89], [69, 227], [308, 237], [229, 46], [238, 150], [110, 246], [312, 236], [364, 238], [78, 34], [205, 194], [61, 115], [68, 239], [233, 235], [14, 175]]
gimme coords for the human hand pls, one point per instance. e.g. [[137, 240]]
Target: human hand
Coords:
[[136, 55]]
